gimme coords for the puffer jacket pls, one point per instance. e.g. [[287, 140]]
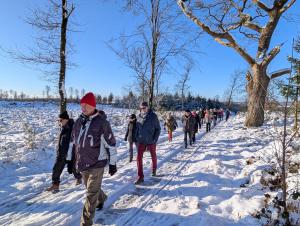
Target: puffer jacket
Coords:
[[94, 142], [148, 128]]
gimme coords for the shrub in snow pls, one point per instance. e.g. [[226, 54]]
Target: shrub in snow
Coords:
[[29, 136]]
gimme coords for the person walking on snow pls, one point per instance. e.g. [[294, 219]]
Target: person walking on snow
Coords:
[[171, 125], [208, 119], [227, 113], [188, 125], [148, 131], [95, 147], [66, 125], [197, 125], [215, 116], [131, 135], [202, 115]]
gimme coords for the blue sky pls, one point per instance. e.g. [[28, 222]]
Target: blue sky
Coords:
[[100, 70]]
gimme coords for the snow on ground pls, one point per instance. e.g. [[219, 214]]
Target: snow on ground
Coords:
[[195, 186]]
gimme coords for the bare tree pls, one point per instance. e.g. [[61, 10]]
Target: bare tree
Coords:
[[47, 91], [182, 85], [71, 90], [77, 94], [236, 85], [253, 21], [162, 35], [50, 52], [82, 92]]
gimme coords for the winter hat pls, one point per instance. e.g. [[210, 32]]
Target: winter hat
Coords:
[[64, 115], [144, 104], [187, 110], [133, 116], [89, 99]]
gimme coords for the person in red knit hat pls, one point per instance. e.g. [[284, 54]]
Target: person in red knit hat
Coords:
[[95, 147]]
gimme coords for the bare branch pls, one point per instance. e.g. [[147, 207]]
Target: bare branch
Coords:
[[280, 73], [262, 5]]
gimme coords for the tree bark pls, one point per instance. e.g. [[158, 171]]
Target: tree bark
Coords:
[[62, 71], [152, 79], [257, 91]]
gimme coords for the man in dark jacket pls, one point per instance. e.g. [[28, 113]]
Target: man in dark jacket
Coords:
[[95, 148], [148, 131], [188, 124], [131, 135], [66, 125]]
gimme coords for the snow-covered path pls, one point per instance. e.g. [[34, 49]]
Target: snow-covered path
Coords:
[[195, 186], [199, 186]]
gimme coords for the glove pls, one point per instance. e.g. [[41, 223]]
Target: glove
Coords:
[[112, 169], [70, 166], [125, 139]]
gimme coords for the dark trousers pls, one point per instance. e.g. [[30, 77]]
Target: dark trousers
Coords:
[[208, 127], [141, 149], [186, 134], [59, 166], [131, 150]]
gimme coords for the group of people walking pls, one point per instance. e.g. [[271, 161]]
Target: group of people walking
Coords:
[[88, 145]]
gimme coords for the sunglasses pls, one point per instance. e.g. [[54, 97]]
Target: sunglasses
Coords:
[[143, 108]]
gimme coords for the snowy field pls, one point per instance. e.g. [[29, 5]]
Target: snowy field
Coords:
[[220, 181]]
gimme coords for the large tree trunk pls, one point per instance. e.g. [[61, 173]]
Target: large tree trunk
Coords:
[[257, 91], [62, 71], [152, 79]]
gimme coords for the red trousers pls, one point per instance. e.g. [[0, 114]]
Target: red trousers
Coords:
[[170, 135], [141, 149]]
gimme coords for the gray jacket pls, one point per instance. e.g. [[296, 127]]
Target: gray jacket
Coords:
[[94, 142], [148, 128], [188, 123]]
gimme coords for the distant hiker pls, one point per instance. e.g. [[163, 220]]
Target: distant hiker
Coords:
[[227, 113], [220, 114], [208, 119], [171, 125], [202, 115], [66, 125], [197, 125], [188, 124], [215, 116], [148, 131], [131, 135], [95, 148]]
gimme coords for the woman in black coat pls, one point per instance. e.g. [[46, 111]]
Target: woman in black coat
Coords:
[[131, 135]]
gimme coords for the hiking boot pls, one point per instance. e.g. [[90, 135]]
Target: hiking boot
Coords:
[[78, 182], [100, 205], [154, 172], [139, 181], [54, 187]]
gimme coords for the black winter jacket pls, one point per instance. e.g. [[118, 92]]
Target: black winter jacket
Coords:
[[64, 139], [148, 128]]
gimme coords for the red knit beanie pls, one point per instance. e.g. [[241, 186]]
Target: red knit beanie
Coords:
[[89, 99]]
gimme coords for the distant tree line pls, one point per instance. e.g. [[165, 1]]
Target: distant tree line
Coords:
[[166, 101], [169, 101]]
